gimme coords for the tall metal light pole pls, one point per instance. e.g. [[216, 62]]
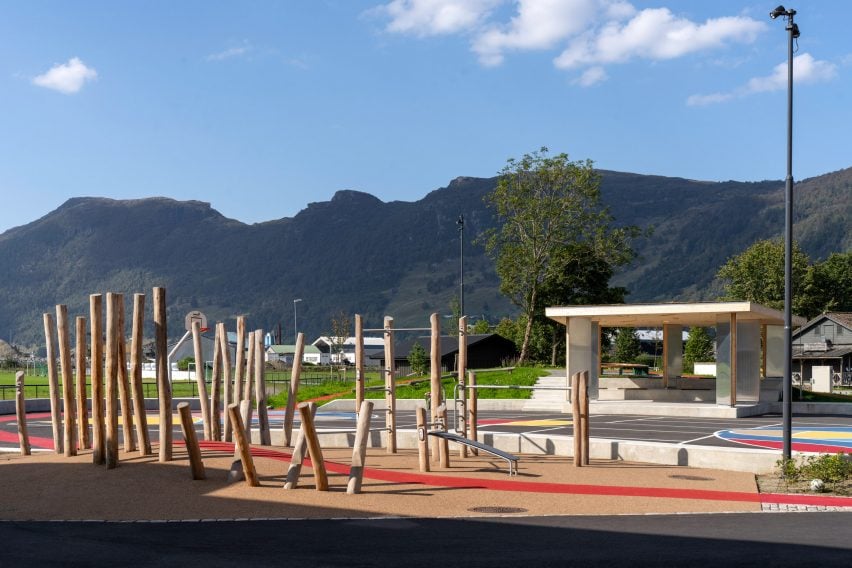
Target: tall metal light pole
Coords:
[[787, 394], [460, 223], [295, 324]]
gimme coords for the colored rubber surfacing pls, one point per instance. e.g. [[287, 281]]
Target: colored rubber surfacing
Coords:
[[823, 439]]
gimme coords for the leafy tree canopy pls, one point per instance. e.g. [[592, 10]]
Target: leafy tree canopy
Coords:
[[627, 346], [555, 239]]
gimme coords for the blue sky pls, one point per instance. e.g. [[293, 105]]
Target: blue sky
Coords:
[[261, 107]]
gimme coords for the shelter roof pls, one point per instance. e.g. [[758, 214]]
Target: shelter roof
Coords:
[[703, 314]]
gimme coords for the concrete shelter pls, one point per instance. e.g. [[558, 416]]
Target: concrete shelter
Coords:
[[741, 327]]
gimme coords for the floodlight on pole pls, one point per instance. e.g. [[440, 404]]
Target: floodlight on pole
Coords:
[[787, 390], [295, 321]]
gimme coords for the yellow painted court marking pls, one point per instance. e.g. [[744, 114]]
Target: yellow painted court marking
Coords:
[[539, 423], [823, 435]]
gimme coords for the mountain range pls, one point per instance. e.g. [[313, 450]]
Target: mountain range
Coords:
[[357, 254]]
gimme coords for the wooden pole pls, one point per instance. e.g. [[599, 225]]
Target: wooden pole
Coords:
[[200, 378], [53, 383], [81, 350], [293, 390], [136, 375], [196, 466], [241, 442], [390, 385], [124, 381], [300, 448], [462, 371], [111, 380], [359, 449], [96, 323], [576, 420], [21, 414], [422, 439], [444, 448], [227, 377], [260, 389], [471, 421], [436, 394], [216, 387], [240, 356], [359, 361], [248, 386], [69, 406], [164, 385], [584, 411], [314, 450]]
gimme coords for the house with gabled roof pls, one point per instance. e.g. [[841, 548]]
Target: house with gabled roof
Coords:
[[825, 341]]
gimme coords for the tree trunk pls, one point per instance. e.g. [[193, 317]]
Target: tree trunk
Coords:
[[525, 346]]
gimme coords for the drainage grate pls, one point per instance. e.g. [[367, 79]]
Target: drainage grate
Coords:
[[691, 477], [498, 510]]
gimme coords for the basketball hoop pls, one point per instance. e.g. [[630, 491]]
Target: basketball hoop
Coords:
[[194, 316]]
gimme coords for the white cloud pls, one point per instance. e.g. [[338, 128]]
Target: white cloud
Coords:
[[435, 17], [655, 34], [67, 78], [703, 100], [806, 69], [539, 24], [231, 52], [592, 76], [591, 34]]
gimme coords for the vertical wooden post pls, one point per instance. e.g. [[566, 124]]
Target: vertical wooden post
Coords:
[[53, 383], [111, 379], [124, 380], [576, 419], [436, 394], [299, 450], [293, 391], [584, 410], [142, 436], [69, 406], [240, 359], [422, 439], [191, 440], [21, 414], [462, 371], [444, 449], [260, 389], [216, 387], [248, 386], [227, 377], [314, 450], [359, 361], [390, 386], [471, 421], [241, 441], [81, 351], [164, 385], [359, 449], [200, 378], [96, 324]]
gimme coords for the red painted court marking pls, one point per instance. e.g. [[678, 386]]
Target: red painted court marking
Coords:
[[35, 441], [557, 488], [797, 446], [491, 421]]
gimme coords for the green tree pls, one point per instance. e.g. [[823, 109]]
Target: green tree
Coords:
[[698, 348], [828, 286], [627, 346], [757, 275], [548, 208], [481, 327], [417, 359]]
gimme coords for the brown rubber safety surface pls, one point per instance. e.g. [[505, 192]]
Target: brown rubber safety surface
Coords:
[[47, 486]]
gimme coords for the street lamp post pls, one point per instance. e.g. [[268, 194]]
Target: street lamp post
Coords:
[[787, 394], [460, 223], [295, 321]]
